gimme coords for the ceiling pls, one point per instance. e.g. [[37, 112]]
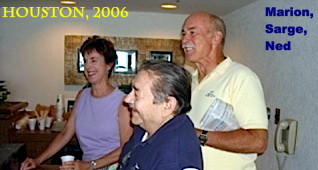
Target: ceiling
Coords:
[[218, 7]]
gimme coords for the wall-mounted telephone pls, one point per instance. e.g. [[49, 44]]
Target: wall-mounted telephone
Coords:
[[285, 138]]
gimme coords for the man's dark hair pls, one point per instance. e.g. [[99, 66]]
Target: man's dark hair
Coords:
[[169, 80], [103, 47]]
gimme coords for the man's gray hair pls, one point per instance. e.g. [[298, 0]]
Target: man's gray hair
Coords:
[[217, 24], [169, 79]]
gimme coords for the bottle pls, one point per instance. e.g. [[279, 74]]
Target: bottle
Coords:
[[59, 107]]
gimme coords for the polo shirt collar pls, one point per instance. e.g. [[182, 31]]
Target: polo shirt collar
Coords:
[[171, 124], [219, 69], [222, 67]]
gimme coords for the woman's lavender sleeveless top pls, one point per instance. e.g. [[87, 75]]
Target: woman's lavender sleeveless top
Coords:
[[96, 123]]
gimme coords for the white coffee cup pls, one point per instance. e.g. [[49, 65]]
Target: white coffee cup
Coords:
[[32, 123], [67, 158], [41, 123], [48, 121]]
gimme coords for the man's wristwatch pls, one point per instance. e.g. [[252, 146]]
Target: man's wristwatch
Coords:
[[93, 164], [203, 137]]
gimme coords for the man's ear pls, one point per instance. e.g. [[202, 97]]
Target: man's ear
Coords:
[[217, 37], [170, 105]]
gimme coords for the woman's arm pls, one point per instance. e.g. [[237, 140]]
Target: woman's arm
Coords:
[[59, 141]]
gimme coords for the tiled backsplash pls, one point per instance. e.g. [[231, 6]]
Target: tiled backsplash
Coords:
[[143, 45]]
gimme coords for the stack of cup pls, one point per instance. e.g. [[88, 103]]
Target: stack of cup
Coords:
[[32, 122], [48, 121], [41, 123]]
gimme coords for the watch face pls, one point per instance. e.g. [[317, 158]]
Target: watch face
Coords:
[[203, 138], [93, 163]]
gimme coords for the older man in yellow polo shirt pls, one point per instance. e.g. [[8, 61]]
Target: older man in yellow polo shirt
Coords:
[[229, 110]]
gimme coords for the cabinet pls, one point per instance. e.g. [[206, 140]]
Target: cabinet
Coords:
[[36, 141]]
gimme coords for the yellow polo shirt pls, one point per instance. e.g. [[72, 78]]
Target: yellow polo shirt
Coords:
[[239, 87]]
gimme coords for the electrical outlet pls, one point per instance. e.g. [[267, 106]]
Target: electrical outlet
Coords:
[[277, 115]]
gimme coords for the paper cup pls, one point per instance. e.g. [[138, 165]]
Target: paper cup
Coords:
[[41, 123], [67, 158], [48, 122], [32, 123]]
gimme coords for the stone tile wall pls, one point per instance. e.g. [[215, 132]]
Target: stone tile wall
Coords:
[[143, 45]]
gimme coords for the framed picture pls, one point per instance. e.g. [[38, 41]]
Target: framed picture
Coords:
[[69, 104], [126, 62], [161, 55]]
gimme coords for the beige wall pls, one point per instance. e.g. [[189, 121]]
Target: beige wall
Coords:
[[289, 78]]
